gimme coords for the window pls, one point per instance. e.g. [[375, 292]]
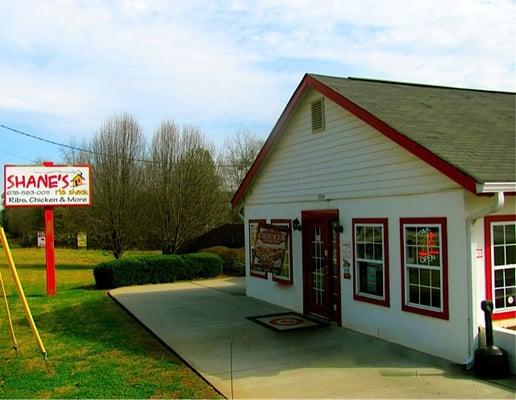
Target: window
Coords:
[[500, 245], [285, 275], [424, 259], [318, 115], [371, 260], [253, 230]]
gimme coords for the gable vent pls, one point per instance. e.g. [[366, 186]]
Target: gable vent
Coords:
[[318, 115]]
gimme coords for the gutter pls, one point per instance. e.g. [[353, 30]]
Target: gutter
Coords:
[[498, 203]]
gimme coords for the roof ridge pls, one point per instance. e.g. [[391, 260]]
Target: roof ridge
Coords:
[[353, 78]]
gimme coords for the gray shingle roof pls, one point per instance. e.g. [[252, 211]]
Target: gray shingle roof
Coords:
[[473, 130]]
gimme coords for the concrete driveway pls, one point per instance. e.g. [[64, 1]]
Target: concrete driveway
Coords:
[[203, 321]]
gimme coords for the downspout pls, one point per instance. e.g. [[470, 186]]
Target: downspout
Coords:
[[497, 204]]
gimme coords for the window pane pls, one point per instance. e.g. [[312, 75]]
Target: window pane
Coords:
[[510, 233], [378, 234], [499, 298], [411, 254], [498, 234], [414, 275], [434, 256], [499, 278], [369, 237], [371, 278], [510, 276], [425, 296], [510, 297], [436, 298], [510, 255], [424, 275], [369, 251], [436, 278], [360, 233], [378, 252], [499, 255], [414, 294], [433, 238], [410, 236], [360, 250]]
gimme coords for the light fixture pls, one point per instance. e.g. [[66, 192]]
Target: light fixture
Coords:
[[296, 225], [336, 226]]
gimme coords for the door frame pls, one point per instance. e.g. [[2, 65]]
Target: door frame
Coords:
[[328, 215]]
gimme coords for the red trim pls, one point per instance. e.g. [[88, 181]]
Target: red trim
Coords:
[[444, 314], [488, 261], [356, 296], [408, 144], [261, 275], [331, 213], [279, 279], [324, 217], [48, 164], [246, 182]]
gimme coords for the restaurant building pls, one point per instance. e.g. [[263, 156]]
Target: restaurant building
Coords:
[[399, 203]]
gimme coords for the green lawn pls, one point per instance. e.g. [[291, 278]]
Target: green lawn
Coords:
[[95, 350]]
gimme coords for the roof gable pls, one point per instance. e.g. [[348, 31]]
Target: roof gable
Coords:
[[465, 134]]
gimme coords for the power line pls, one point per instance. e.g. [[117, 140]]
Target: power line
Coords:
[[17, 156], [81, 149]]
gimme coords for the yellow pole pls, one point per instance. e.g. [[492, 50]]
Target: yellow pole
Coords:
[[19, 288], [11, 327]]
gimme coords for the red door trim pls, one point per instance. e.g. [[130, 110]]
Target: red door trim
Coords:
[[323, 215]]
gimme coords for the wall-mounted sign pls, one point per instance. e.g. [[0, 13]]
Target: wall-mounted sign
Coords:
[[479, 253], [270, 246], [53, 185], [346, 259]]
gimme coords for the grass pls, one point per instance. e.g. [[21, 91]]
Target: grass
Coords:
[[95, 350]]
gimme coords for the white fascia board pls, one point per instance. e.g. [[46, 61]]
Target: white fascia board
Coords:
[[492, 187]]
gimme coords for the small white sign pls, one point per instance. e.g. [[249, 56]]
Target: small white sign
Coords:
[[55, 185], [479, 253], [41, 239]]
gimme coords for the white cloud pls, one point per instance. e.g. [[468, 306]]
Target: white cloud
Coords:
[[211, 61]]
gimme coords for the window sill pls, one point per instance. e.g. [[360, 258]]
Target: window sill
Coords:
[[498, 315], [371, 300], [428, 313], [258, 275], [282, 281]]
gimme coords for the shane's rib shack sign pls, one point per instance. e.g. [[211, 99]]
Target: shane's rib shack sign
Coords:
[[47, 186], [40, 186]]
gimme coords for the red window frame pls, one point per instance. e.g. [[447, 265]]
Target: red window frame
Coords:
[[488, 261], [280, 279], [256, 274], [444, 314], [356, 295]]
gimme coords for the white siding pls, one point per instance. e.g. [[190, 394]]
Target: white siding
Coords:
[[349, 159], [443, 338]]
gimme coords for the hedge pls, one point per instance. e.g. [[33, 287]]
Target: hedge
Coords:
[[156, 269], [233, 260]]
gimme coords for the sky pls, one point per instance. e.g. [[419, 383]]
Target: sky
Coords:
[[224, 66]]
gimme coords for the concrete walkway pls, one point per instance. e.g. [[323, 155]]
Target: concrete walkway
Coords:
[[199, 321]]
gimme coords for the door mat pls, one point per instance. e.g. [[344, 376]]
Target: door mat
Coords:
[[286, 322]]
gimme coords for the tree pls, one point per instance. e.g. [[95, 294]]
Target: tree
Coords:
[[117, 151], [237, 156], [185, 198]]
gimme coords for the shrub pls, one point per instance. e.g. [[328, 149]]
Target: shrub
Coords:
[[156, 269], [233, 260], [205, 265]]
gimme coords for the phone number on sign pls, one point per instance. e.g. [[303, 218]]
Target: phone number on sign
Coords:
[[27, 192]]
